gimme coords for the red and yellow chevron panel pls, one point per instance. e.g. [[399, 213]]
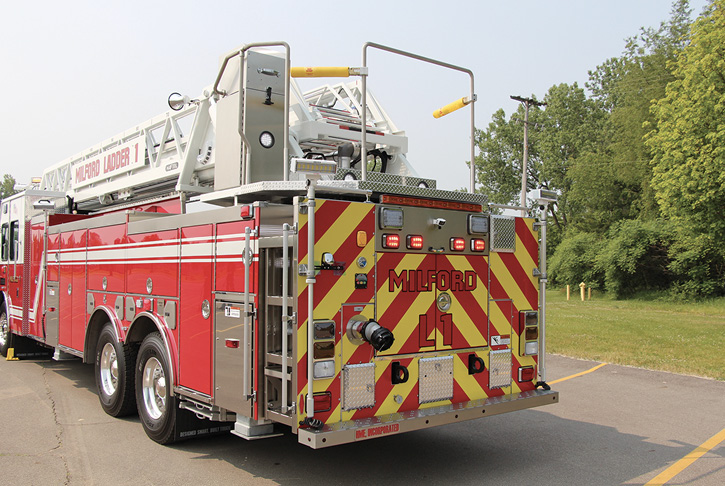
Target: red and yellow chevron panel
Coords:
[[514, 289], [345, 229], [485, 292]]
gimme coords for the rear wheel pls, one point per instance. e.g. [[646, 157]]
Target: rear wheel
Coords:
[[6, 337], [156, 405], [114, 374]]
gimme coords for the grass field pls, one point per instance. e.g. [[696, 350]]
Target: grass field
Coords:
[[662, 335]]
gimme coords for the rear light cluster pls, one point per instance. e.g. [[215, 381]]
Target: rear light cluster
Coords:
[[391, 241]]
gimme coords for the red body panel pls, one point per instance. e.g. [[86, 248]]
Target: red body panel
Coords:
[[154, 255], [195, 331], [73, 289], [106, 253], [229, 275]]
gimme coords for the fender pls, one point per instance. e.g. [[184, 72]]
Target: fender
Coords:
[[93, 329], [135, 334]]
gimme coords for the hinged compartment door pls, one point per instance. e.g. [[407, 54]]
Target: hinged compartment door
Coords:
[[229, 366]]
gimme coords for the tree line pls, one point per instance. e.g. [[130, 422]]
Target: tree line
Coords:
[[638, 159]]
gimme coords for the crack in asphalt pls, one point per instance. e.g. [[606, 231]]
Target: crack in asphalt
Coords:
[[58, 425]]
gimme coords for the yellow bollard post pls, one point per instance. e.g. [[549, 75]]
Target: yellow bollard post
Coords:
[[589, 293], [568, 293], [582, 286]]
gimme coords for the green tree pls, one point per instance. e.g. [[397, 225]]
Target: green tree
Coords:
[[624, 88], [7, 188], [558, 134], [688, 141]]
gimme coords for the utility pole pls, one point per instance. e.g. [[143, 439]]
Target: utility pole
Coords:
[[527, 103]]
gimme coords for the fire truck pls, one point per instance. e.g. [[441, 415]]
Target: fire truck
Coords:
[[261, 258]]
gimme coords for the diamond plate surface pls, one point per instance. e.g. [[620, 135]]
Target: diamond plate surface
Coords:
[[499, 370], [358, 386], [435, 380], [503, 234], [385, 178]]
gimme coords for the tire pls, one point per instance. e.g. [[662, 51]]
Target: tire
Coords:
[[156, 406], [6, 337], [114, 374]]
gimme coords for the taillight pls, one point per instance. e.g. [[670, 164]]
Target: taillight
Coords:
[[323, 402], [478, 244], [526, 374], [414, 242], [458, 244], [391, 241]]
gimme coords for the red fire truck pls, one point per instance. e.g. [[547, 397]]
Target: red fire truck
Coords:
[[261, 257]]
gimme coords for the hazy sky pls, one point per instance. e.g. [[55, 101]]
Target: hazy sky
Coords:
[[74, 73]]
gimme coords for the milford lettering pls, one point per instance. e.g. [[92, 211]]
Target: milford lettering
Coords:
[[426, 280]]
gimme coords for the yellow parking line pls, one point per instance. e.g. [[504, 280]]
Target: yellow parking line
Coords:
[[683, 463], [577, 375]]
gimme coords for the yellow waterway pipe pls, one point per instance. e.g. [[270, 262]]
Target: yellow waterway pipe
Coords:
[[451, 107], [327, 72]]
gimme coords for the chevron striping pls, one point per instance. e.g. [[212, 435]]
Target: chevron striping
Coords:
[[527, 239]]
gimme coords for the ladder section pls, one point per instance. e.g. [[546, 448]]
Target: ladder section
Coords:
[[279, 362], [329, 116], [170, 153]]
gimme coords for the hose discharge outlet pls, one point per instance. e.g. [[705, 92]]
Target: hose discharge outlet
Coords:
[[362, 330]]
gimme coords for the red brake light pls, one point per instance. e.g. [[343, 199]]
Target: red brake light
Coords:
[[458, 244], [323, 401], [478, 244], [526, 374], [414, 242], [391, 241]]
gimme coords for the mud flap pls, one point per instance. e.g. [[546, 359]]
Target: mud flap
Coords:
[[25, 348], [189, 426]]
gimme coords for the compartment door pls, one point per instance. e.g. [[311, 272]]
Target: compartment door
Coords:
[[229, 366]]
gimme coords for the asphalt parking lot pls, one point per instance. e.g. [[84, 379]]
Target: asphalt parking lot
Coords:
[[613, 425]]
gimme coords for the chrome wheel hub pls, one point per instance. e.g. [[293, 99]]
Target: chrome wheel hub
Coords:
[[154, 388], [109, 369]]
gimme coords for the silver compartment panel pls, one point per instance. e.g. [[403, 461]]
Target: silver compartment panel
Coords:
[[435, 379]]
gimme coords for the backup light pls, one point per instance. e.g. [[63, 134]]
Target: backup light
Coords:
[[531, 348], [458, 244], [391, 218], [477, 224], [391, 241], [414, 242], [324, 369]]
